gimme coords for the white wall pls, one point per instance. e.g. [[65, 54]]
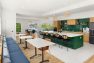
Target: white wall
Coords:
[[0, 25], [85, 14], [42, 21], [24, 23], [8, 23], [0, 20]]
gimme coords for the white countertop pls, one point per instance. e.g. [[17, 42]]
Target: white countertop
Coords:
[[65, 33], [21, 34], [49, 31], [39, 43], [70, 34], [25, 37]]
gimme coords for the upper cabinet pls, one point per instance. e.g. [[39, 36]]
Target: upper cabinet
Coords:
[[84, 22], [92, 19], [71, 22], [57, 24], [75, 24]]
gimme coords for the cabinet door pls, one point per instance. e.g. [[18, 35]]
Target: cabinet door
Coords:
[[57, 24], [71, 22], [92, 19], [86, 37], [64, 24]]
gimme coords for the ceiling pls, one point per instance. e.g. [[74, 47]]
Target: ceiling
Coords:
[[44, 8], [41, 7]]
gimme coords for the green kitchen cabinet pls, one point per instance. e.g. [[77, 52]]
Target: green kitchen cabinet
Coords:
[[64, 24], [84, 22], [76, 42], [59, 41], [80, 24]]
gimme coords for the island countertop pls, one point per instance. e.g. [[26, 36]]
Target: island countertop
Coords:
[[69, 34]]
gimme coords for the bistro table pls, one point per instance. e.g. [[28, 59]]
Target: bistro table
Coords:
[[25, 37], [21, 35], [40, 43]]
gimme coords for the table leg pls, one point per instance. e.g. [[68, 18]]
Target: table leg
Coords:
[[20, 41], [26, 44], [26, 47], [35, 53], [43, 57]]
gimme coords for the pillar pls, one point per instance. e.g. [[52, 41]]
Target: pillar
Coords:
[[8, 23]]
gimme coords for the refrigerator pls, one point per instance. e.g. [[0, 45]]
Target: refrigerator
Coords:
[[91, 33]]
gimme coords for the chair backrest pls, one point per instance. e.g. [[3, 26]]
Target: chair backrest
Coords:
[[34, 35], [27, 32]]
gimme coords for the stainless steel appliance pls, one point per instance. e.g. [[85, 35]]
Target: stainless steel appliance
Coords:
[[91, 33]]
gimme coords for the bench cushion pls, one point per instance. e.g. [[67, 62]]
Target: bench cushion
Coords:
[[13, 48], [16, 55]]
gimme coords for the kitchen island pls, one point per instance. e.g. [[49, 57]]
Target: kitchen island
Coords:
[[73, 41]]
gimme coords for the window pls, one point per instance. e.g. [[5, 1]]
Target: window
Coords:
[[18, 27]]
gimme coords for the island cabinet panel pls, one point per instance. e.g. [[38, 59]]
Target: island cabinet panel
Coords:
[[76, 42]]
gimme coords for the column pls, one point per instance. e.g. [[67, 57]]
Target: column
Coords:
[[8, 23]]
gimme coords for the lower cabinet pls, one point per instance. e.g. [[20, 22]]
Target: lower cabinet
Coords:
[[74, 42], [86, 37], [77, 42]]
